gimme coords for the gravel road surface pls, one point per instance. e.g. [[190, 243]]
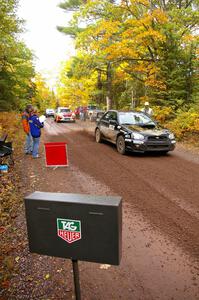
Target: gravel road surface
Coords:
[[160, 248]]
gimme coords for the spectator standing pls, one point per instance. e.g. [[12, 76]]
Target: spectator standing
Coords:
[[81, 113], [147, 109], [35, 130], [25, 122], [84, 113]]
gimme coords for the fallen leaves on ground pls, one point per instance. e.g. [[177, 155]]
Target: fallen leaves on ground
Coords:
[[10, 198]]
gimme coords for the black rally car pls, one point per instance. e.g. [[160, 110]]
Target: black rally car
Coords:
[[133, 131]]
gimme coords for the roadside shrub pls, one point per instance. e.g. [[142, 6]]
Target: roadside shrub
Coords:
[[185, 123], [10, 123], [163, 114]]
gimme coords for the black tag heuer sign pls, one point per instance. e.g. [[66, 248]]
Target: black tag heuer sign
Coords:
[[69, 230]]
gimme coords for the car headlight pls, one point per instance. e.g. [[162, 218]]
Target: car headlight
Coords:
[[171, 136], [137, 136]]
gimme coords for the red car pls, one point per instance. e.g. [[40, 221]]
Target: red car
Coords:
[[64, 114]]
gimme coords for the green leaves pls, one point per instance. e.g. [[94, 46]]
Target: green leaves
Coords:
[[16, 67], [71, 5]]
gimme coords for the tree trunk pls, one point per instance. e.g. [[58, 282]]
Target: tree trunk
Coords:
[[109, 86]]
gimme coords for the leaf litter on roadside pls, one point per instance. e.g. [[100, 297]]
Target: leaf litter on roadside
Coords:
[[10, 201]]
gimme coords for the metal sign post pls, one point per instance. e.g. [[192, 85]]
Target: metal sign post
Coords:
[[76, 279]]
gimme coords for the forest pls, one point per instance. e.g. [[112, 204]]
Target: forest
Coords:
[[127, 52]]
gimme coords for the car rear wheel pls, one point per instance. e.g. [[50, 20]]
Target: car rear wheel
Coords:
[[120, 144], [98, 136]]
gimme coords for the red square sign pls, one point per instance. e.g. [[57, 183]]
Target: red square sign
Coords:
[[56, 154]]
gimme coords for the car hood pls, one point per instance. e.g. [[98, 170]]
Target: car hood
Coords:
[[65, 114], [155, 130]]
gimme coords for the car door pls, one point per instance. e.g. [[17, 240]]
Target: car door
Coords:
[[112, 128], [104, 125]]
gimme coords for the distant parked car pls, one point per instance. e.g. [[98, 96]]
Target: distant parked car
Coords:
[[96, 115], [50, 112], [64, 114], [133, 131]]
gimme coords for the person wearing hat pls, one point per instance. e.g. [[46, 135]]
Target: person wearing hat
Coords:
[[147, 110], [25, 123]]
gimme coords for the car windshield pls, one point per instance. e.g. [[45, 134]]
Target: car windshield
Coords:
[[63, 110], [133, 118], [92, 107]]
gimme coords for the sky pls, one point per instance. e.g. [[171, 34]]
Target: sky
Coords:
[[49, 45]]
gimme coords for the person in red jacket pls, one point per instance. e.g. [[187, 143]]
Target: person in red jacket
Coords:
[[25, 122]]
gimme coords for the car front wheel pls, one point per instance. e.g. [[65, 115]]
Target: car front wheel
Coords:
[[120, 144], [98, 136]]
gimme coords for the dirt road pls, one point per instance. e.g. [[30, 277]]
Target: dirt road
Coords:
[[160, 257]]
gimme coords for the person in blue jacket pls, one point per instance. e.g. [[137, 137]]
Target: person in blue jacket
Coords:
[[35, 130]]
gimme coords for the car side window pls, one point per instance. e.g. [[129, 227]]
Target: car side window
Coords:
[[113, 116], [106, 117]]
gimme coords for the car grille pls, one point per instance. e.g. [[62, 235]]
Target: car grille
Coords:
[[163, 147], [157, 142], [157, 138]]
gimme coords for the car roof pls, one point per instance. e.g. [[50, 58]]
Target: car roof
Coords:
[[125, 111]]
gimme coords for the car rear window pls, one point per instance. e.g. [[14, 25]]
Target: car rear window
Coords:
[[64, 110], [92, 107]]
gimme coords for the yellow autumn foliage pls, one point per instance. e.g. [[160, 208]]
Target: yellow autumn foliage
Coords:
[[159, 16], [73, 92], [185, 123], [136, 2], [162, 113]]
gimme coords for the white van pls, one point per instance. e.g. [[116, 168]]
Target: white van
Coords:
[[50, 112]]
